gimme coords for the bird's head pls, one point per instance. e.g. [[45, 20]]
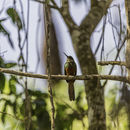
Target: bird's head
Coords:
[[69, 58]]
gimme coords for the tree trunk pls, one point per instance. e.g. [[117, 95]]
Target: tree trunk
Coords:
[[55, 66], [94, 90], [81, 40], [127, 6]]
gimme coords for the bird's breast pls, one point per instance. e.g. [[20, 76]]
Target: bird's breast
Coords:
[[70, 69]]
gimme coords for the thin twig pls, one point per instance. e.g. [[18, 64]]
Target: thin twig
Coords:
[[113, 27], [27, 97], [64, 77], [102, 36], [117, 55], [47, 22], [102, 63], [43, 2]]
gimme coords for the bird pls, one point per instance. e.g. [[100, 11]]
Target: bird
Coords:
[[70, 68]]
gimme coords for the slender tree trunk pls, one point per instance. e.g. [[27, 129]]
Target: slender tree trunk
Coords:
[[127, 6], [94, 91], [55, 66], [48, 23]]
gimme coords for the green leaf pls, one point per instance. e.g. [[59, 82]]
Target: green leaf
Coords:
[[15, 17], [2, 62], [40, 102], [48, 1], [12, 84], [2, 81], [22, 108], [5, 32], [41, 113], [13, 88], [3, 115], [8, 102], [4, 19], [3, 118], [21, 58], [14, 107], [9, 65]]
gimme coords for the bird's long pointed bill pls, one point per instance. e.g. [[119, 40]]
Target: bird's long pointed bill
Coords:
[[65, 55]]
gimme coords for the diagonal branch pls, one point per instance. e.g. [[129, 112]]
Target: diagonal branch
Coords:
[[64, 12], [95, 15], [49, 5], [117, 55], [66, 15]]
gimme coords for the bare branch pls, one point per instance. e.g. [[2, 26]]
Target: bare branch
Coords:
[[64, 77], [111, 63], [43, 2], [95, 15], [102, 36], [117, 55], [64, 11]]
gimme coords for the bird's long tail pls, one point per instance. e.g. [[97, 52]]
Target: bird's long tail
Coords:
[[71, 91]]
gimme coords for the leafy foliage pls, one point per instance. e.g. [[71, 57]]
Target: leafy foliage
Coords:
[[9, 65], [64, 118], [12, 84], [2, 86], [39, 110], [2, 76], [66, 113], [6, 33], [13, 14], [2, 81], [15, 17]]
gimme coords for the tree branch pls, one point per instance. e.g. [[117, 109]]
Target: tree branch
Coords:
[[95, 15], [64, 77], [64, 11], [43, 2], [117, 55], [111, 63]]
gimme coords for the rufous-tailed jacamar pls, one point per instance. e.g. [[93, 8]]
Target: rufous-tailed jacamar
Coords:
[[70, 68]]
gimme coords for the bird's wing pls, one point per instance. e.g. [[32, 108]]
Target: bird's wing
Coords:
[[75, 69], [65, 65]]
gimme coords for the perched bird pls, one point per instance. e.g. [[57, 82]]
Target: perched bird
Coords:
[[70, 68]]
